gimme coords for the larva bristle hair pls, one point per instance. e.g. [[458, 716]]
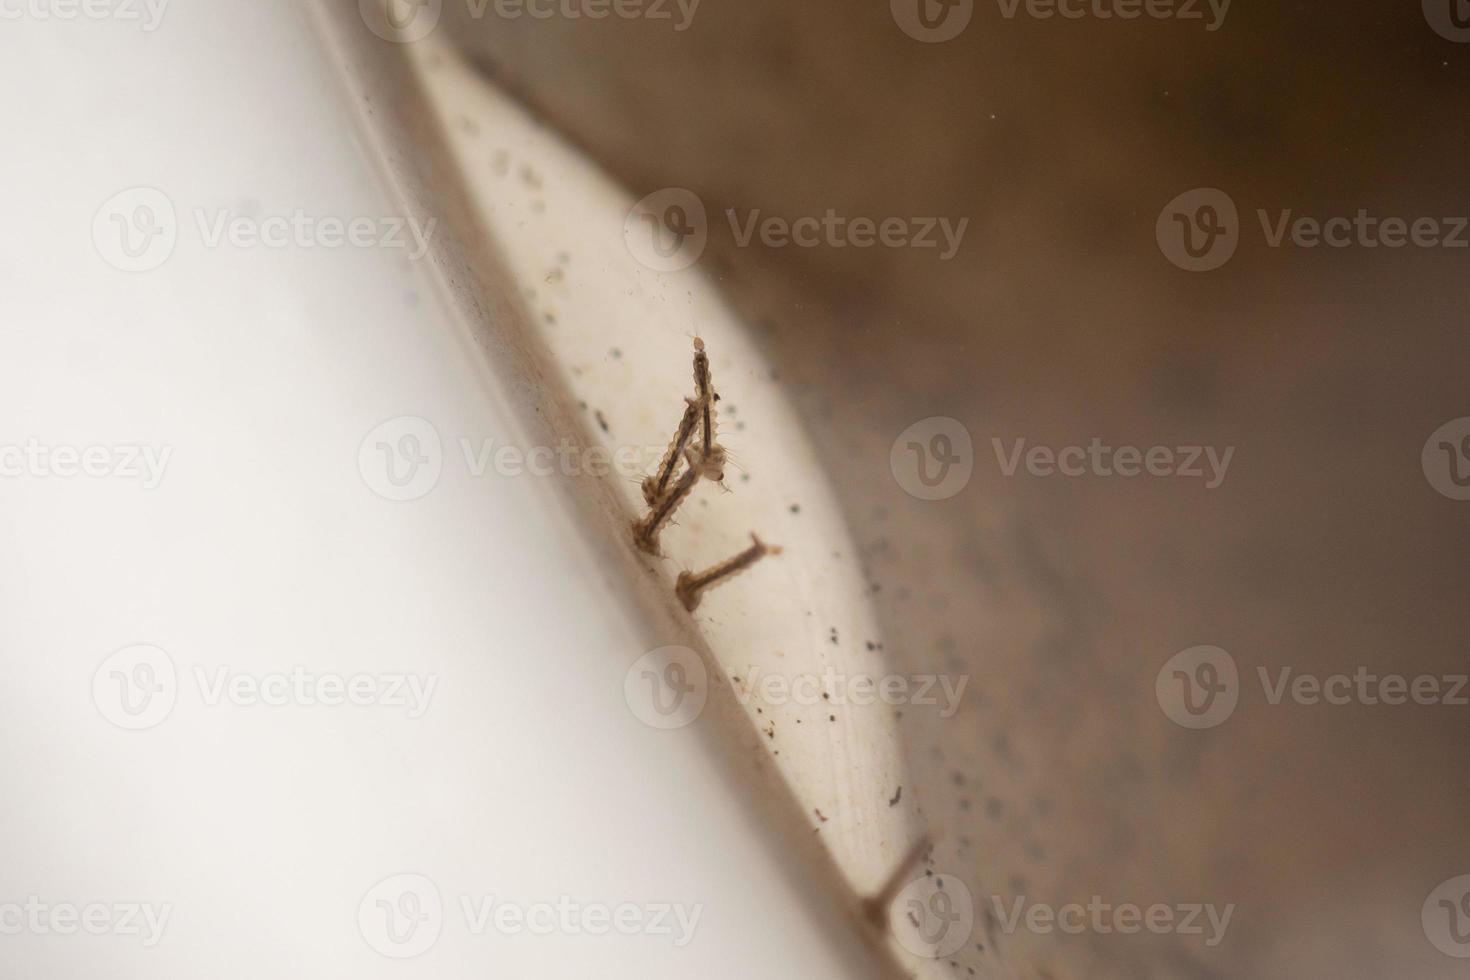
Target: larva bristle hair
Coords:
[[646, 530], [655, 485], [690, 586]]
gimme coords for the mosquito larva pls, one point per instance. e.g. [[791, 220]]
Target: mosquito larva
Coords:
[[706, 461], [877, 905], [646, 530], [712, 455], [690, 586], [654, 486]]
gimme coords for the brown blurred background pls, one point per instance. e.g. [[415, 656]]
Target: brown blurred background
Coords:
[[1059, 320]]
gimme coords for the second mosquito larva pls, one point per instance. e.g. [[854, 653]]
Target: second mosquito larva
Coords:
[[646, 531], [690, 586], [654, 486], [710, 452]]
